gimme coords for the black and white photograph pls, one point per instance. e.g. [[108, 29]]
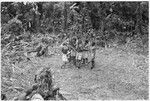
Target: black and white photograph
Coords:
[[74, 50]]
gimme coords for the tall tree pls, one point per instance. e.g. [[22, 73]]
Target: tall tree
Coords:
[[65, 17]]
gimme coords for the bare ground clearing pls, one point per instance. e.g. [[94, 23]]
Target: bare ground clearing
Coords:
[[117, 75]]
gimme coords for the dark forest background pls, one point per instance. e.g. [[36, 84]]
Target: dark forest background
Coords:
[[106, 22]]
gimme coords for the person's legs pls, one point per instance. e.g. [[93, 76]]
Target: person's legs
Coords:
[[93, 63], [65, 60], [86, 60]]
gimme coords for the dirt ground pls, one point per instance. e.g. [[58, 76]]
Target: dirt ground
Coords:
[[117, 75]]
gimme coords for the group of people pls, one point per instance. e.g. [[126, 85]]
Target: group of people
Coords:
[[78, 51]]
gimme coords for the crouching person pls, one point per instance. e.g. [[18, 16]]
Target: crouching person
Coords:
[[43, 89]]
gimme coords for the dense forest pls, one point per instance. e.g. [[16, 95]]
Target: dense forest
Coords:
[[104, 21], [28, 25]]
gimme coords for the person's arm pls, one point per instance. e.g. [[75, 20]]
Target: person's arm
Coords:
[[62, 45], [29, 91], [26, 95]]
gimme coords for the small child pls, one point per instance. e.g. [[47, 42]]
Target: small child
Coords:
[[65, 51]]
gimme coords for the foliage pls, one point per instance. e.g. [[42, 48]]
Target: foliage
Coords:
[[121, 16]]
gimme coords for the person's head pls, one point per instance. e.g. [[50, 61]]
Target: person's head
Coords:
[[93, 44], [45, 81]]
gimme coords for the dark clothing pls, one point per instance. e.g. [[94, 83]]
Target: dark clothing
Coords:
[[93, 63]]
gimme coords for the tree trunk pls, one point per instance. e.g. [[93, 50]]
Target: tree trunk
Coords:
[[139, 20], [83, 18], [65, 17]]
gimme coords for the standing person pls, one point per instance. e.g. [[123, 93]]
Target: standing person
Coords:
[[85, 52], [65, 52], [79, 53], [73, 50], [93, 50]]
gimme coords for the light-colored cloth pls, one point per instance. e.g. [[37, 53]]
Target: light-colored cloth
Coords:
[[73, 53], [37, 97], [92, 54], [64, 58], [85, 54], [79, 56]]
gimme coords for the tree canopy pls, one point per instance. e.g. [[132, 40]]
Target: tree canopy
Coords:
[[101, 19]]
